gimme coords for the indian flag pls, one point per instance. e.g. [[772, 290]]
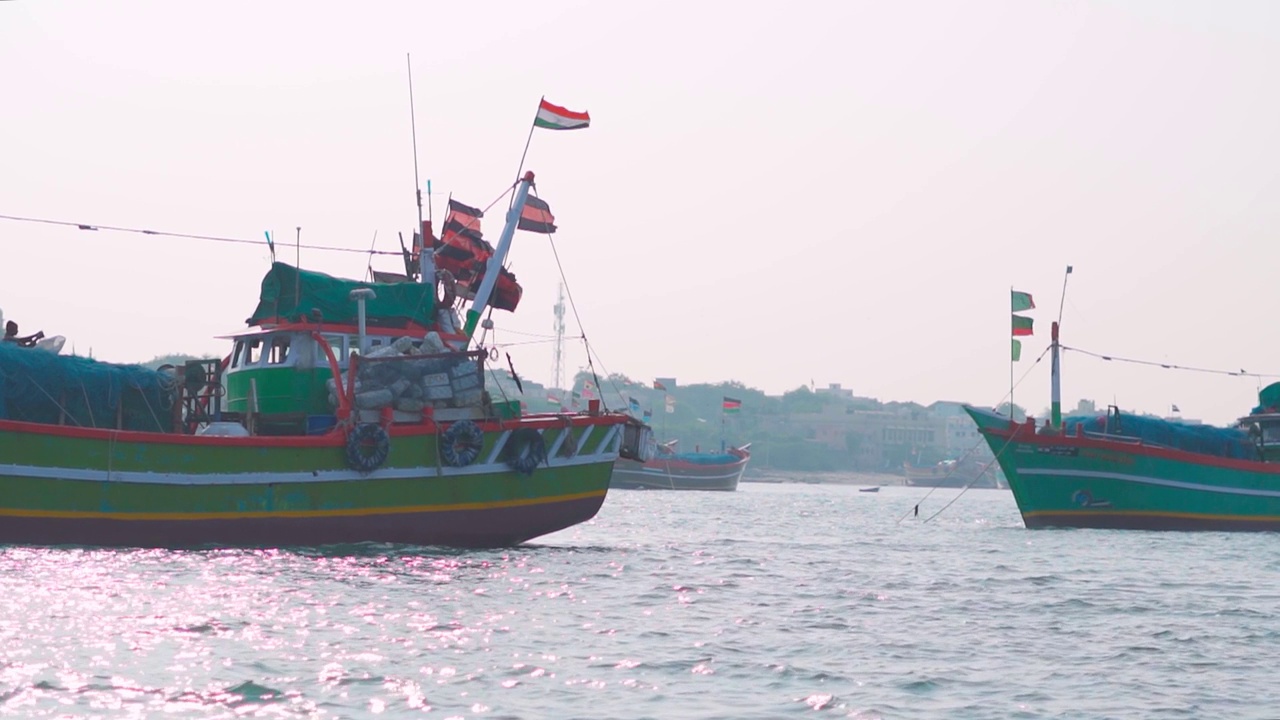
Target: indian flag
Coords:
[[554, 117]]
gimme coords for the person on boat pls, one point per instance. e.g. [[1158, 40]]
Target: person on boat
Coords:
[[11, 335]]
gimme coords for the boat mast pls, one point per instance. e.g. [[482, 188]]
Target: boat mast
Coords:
[[426, 260], [1055, 379], [1055, 371], [494, 268]]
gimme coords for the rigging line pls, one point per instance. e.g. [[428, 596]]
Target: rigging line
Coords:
[[976, 479], [1170, 366], [521, 342], [188, 236], [578, 318], [529, 334], [371, 244], [1023, 377], [948, 476], [933, 489]]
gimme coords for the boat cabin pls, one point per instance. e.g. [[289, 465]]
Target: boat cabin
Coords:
[[1263, 424]]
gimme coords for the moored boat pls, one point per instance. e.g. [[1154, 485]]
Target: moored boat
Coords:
[[346, 412], [1134, 472], [671, 470], [966, 472]]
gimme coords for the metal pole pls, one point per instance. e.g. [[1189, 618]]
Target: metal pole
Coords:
[[1055, 389], [494, 267]]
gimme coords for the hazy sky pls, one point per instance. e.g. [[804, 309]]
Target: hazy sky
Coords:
[[769, 192]]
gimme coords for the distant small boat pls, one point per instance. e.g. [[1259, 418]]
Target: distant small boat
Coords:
[[669, 470], [873, 488]]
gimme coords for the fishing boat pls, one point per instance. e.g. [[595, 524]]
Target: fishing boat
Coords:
[[345, 412], [672, 470], [1127, 471], [965, 472]]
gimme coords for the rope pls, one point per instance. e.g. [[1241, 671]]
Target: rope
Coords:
[[979, 476], [916, 507], [578, 318], [1170, 366], [188, 236]]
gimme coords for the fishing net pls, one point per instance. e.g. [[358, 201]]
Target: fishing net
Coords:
[[42, 387], [1203, 439]]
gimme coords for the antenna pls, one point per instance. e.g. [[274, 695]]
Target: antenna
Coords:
[[297, 285], [417, 191], [557, 367], [1062, 301]]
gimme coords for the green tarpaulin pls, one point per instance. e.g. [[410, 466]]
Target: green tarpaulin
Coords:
[[290, 294]]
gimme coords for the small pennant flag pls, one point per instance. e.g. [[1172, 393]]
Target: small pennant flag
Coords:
[[671, 404], [648, 415], [657, 385], [1175, 408], [1017, 350], [635, 404], [554, 117], [1022, 301], [536, 216], [731, 405], [1021, 325]]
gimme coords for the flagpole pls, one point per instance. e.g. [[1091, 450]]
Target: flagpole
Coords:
[[426, 259], [532, 126], [1011, 417]]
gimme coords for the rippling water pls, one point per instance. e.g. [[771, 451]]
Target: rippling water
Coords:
[[777, 600]]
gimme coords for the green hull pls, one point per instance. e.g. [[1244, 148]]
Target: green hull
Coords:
[[1089, 481], [63, 485]]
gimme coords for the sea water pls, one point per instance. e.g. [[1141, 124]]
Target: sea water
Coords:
[[779, 600]]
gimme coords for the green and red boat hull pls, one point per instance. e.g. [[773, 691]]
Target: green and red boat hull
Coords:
[[1079, 480], [61, 485]]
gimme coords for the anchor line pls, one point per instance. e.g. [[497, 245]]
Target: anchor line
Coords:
[[916, 507]]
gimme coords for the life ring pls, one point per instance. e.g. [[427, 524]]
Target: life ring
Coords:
[[449, 285], [525, 450], [461, 442], [367, 447], [493, 354]]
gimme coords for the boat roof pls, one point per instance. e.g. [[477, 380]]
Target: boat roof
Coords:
[[259, 331]]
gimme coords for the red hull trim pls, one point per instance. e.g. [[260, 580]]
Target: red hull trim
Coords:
[[1134, 448]]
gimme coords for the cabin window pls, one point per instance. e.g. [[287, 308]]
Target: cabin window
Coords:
[[251, 351], [279, 351], [1271, 434], [338, 344], [237, 354]]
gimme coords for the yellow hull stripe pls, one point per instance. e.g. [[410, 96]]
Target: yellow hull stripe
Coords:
[[350, 512]]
